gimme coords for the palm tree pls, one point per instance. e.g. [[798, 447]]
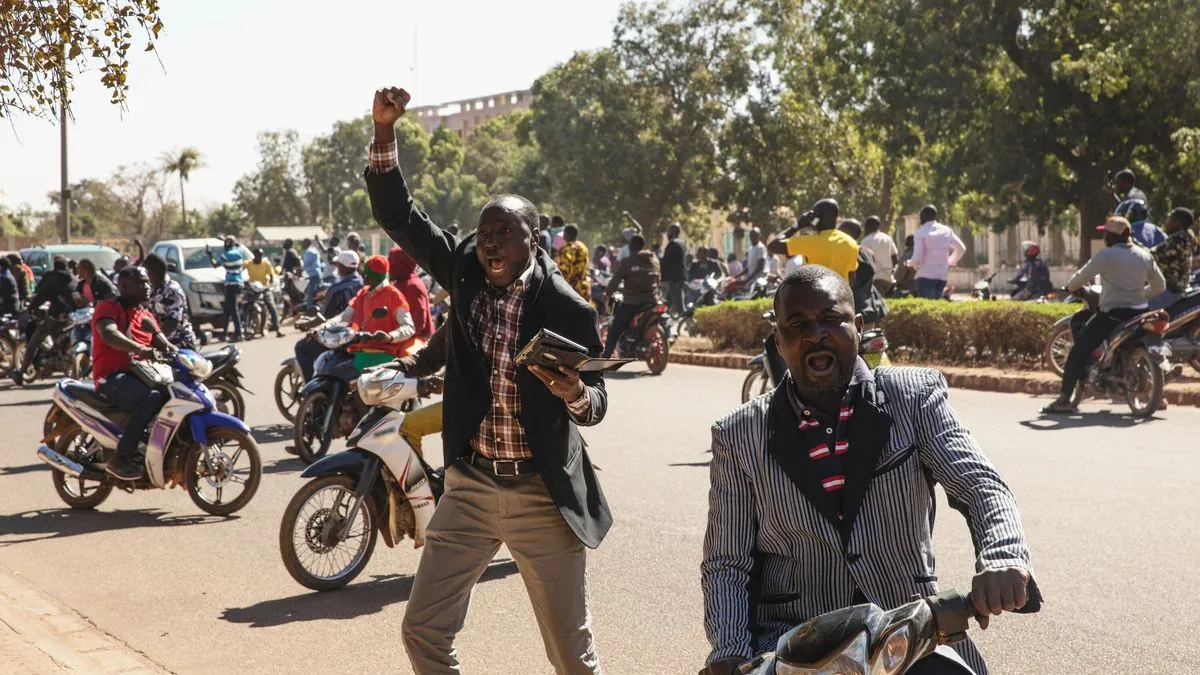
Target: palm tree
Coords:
[[183, 164]]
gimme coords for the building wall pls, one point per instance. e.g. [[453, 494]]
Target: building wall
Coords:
[[464, 115]]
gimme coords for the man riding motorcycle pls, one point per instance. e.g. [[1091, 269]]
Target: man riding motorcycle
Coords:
[[1138, 213], [1034, 272], [640, 272], [381, 310], [337, 299], [55, 288], [9, 296], [117, 336], [92, 287], [261, 270], [1128, 277], [169, 304]]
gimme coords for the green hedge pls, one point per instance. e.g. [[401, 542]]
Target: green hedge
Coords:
[[996, 333]]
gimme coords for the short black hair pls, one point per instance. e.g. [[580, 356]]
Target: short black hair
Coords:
[[527, 212], [713, 252], [5, 263], [544, 221], [571, 231], [14, 258], [636, 243], [84, 262], [810, 274], [155, 263], [60, 263], [928, 212], [287, 243], [306, 242], [1184, 216], [871, 224], [851, 227], [556, 221]]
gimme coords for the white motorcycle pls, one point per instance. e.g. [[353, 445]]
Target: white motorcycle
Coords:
[[379, 485]]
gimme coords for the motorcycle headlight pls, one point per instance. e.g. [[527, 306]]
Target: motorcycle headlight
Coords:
[[852, 659], [377, 387], [893, 652], [335, 337], [197, 365]]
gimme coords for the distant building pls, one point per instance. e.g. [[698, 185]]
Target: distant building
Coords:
[[464, 115]]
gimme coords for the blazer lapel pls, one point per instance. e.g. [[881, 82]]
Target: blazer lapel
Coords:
[[531, 318], [786, 447], [870, 428], [469, 285]]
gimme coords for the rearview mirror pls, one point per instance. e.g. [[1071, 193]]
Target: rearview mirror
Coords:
[[172, 267]]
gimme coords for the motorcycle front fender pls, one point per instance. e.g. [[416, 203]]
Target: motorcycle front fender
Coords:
[[349, 463], [201, 422], [319, 383]]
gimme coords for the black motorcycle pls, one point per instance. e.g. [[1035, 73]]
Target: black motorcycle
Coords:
[[252, 309], [866, 639], [52, 355], [10, 338], [648, 337]]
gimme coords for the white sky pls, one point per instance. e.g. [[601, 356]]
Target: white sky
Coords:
[[237, 67]]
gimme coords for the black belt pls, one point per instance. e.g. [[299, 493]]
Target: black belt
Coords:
[[503, 468]]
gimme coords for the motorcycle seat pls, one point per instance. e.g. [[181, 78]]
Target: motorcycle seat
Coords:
[[89, 396], [220, 357]]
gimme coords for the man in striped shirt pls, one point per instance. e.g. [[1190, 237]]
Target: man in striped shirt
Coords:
[[822, 492]]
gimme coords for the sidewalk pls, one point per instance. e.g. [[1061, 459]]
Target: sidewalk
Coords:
[[38, 637]]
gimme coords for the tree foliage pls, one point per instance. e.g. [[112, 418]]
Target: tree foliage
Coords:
[[45, 44], [273, 195]]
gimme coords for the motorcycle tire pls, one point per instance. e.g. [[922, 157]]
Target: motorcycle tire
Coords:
[[229, 399], [1058, 346], [76, 492], [7, 352], [308, 534], [1139, 361], [287, 392], [658, 349], [312, 439], [192, 465], [258, 321], [756, 384], [31, 373]]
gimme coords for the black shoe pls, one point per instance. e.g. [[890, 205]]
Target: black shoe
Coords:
[[18, 378], [124, 468]]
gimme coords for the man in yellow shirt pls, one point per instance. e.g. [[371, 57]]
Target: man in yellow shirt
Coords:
[[262, 271], [827, 246]]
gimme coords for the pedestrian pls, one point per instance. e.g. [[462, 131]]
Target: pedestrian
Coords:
[[402, 271], [756, 259], [573, 261], [10, 303], [261, 270], [1174, 257], [674, 275], [557, 223], [1137, 213], [234, 262], [935, 250], [602, 262], [1128, 278], [55, 288], [795, 533], [1125, 183], [291, 261], [22, 275], [640, 273], [544, 234], [92, 287], [354, 243], [734, 265], [169, 304], [313, 270], [545, 511], [827, 246], [883, 252], [337, 299]]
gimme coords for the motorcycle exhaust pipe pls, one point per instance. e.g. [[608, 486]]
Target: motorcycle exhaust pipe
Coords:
[[59, 462]]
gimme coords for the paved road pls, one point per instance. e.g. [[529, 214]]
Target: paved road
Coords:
[[1109, 505]]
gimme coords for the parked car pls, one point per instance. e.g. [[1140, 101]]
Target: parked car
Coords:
[[188, 264], [39, 257]]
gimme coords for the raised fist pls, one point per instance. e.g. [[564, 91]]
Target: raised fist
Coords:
[[390, 103]]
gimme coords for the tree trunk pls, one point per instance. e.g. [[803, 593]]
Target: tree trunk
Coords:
[[1058, 246], [887, 207], [1012, 245], [968, 260], [1094, 206], [182, 202]]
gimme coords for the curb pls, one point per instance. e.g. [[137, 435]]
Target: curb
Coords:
[[39, 636], [959, 378]]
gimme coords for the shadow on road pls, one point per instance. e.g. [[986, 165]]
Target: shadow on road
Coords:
[[16, 404], [273, 433], [59, 523], [28, 468], [1080, 421], [351, 602], [286, 465], [627, 375]]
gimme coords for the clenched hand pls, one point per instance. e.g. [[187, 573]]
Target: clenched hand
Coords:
[[997, 591], [390, 103]]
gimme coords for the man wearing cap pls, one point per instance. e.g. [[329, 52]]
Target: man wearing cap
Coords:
[[337, 299], [402, 271], [380, 309], [1128, 278]]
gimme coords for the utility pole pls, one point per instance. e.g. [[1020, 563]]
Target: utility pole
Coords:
[[64, 192], [330, 195]]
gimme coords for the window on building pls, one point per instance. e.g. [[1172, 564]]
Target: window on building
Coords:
[[491, 103], [514, 99], [479, 105]]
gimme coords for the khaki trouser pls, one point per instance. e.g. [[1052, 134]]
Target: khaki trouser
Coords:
[[421, 423], [477, 514]]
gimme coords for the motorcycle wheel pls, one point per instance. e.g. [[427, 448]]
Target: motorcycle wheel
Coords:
[[311, 436], [206, 484], [287, 392], [757, 383], [258, 320], [1058, 347], [317, 509], [657, 349], [7, 351], [1143, 383], [229, 399], [78, 493]]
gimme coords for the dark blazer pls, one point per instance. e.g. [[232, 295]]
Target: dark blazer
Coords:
[[553, 436]]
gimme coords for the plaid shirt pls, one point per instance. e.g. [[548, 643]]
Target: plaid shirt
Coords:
[[494, 325], [826, 439]]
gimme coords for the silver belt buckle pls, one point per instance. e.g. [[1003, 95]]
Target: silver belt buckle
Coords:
[[516, 471]]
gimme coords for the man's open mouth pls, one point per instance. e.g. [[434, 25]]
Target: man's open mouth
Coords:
[[820, 364], [496, 266]]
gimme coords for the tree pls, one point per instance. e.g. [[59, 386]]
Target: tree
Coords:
[[94, 34], [274, 193], [226, 219], [182, 163], [357, 207], [451, 197], [446, 151], [503, 154]]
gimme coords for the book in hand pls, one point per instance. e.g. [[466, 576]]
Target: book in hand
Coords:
[[550, 350]]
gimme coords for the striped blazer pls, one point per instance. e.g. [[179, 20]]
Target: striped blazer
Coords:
[[776, 553]]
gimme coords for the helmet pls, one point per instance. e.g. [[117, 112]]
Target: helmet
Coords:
[[1031, 249], [1133, 210]]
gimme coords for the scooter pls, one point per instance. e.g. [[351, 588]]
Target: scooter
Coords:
[[253, 309], [648, 337], [225, 381], [866, 639], [379, 485], [53, 355], [698, 293], [189, 443], [81, 343], [983, 288]]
